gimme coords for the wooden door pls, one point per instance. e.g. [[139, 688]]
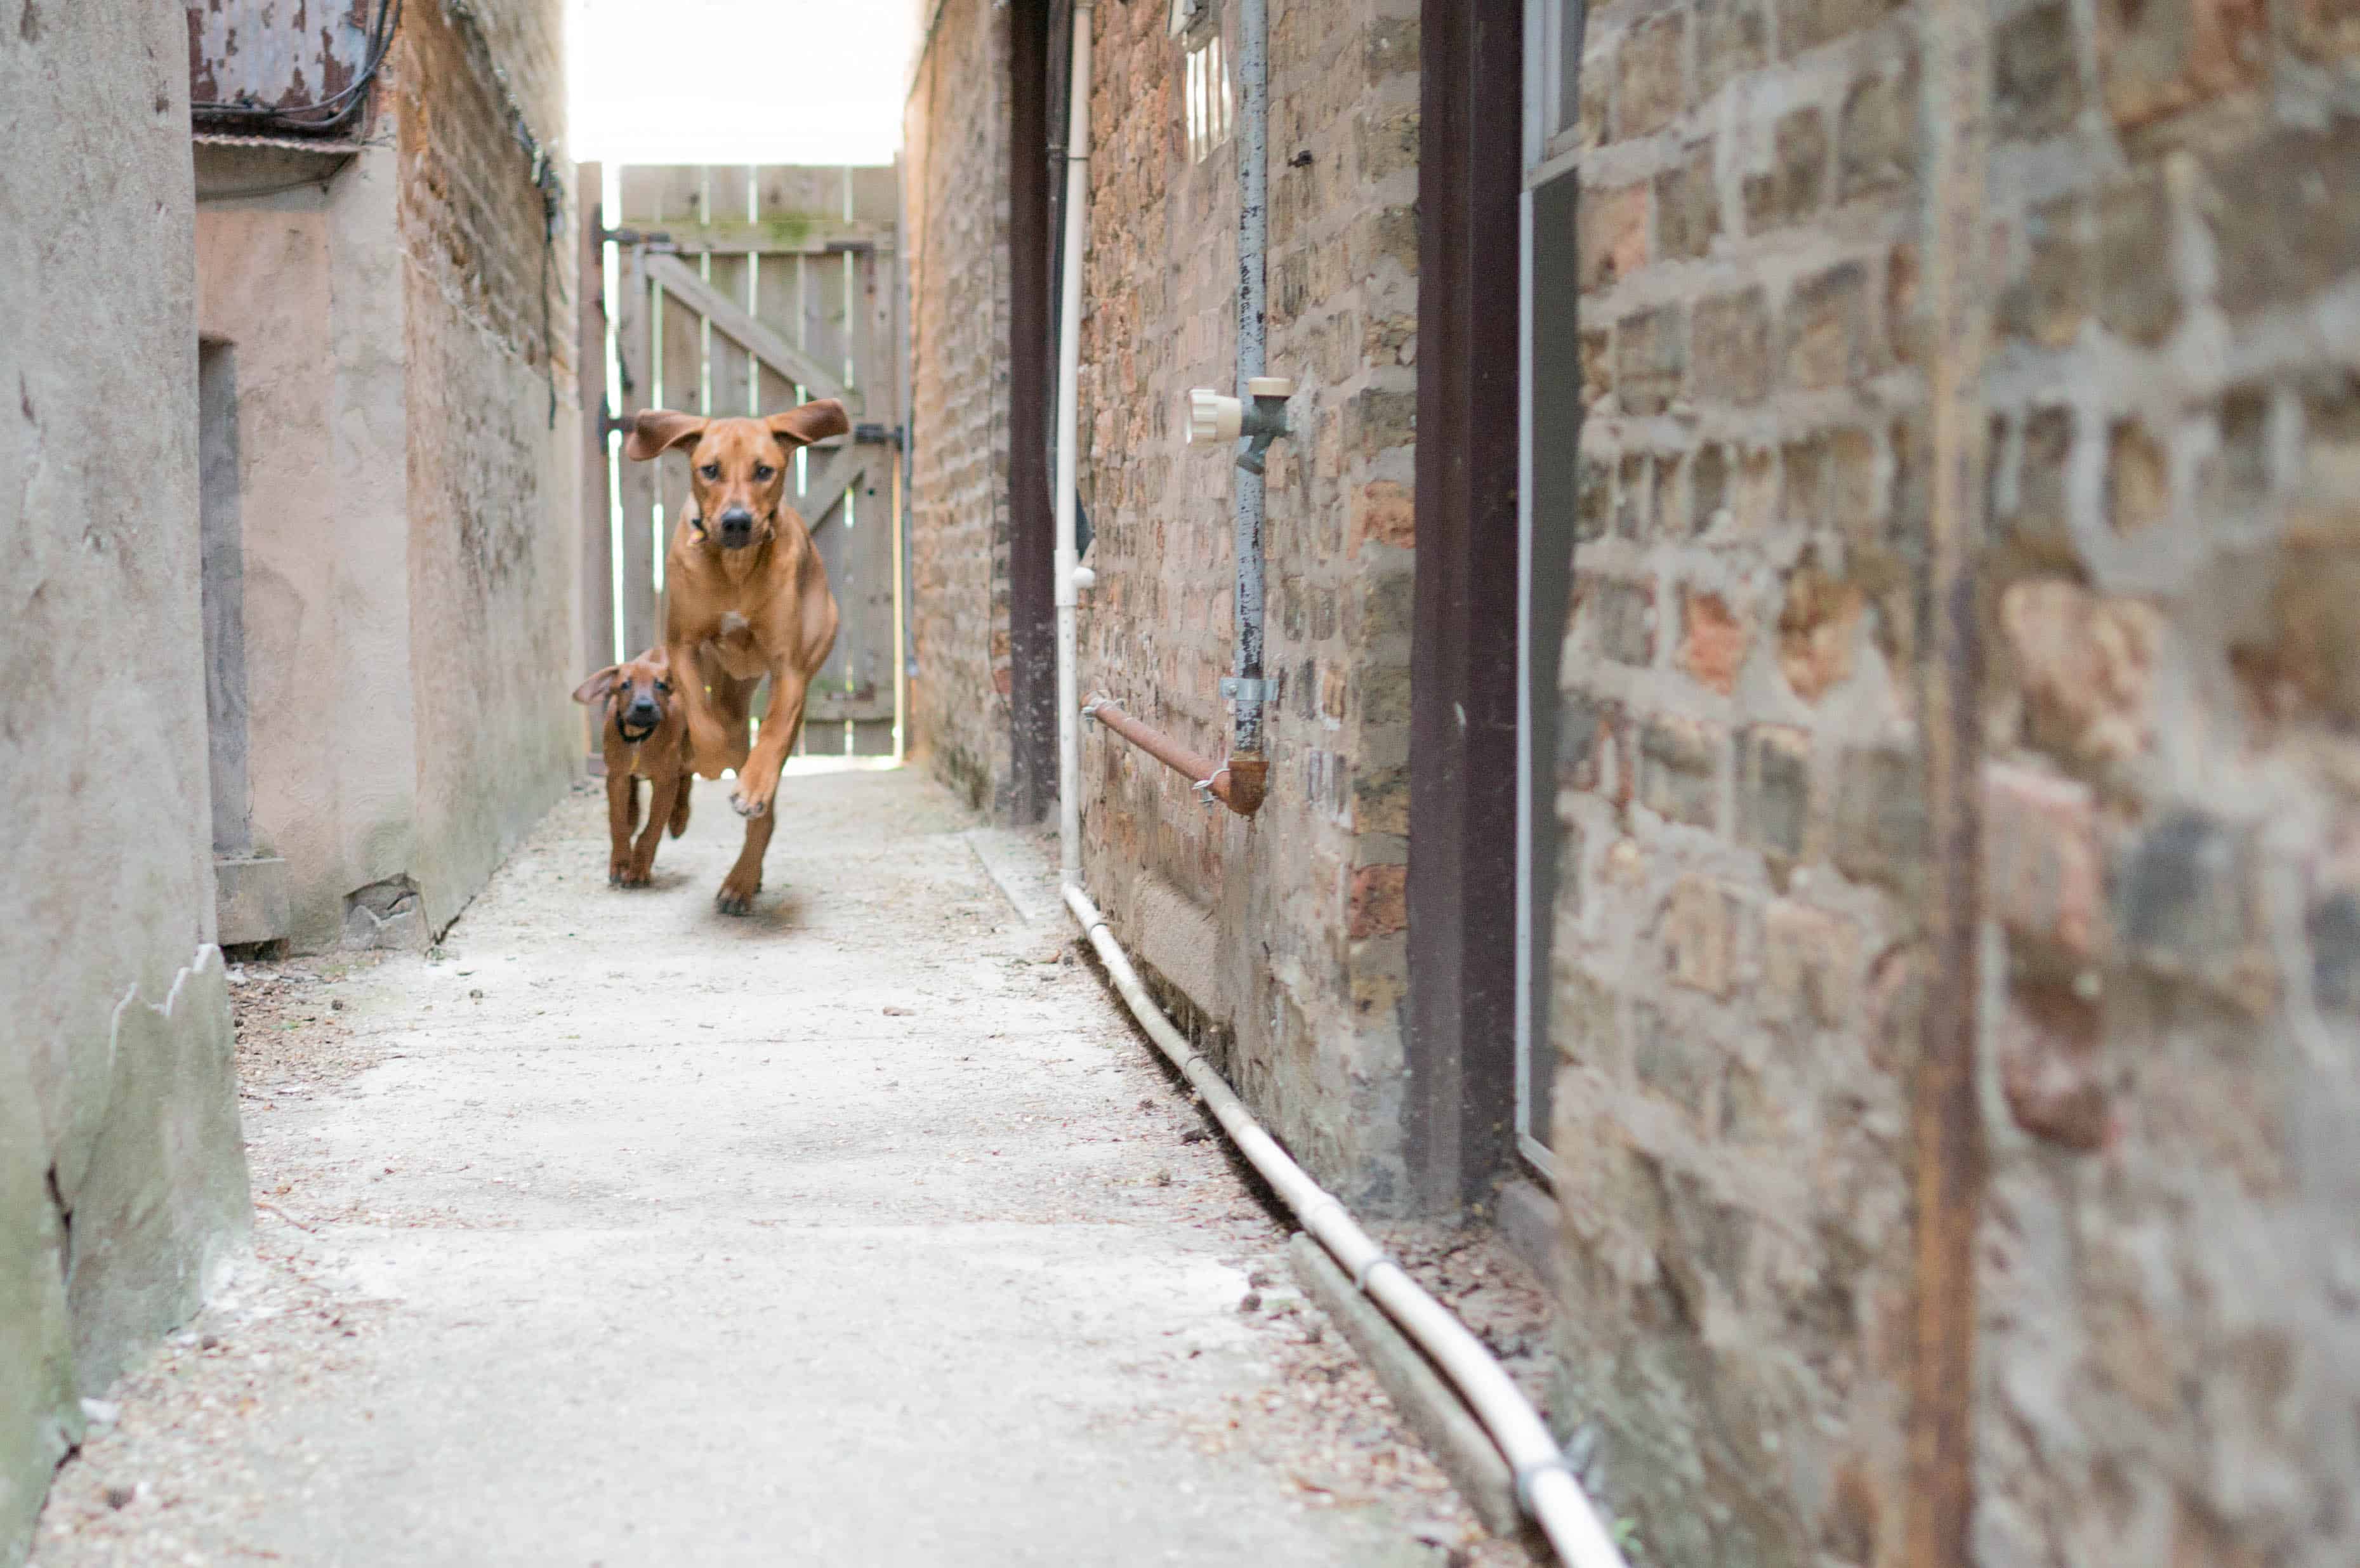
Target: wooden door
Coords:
[[747, 291]]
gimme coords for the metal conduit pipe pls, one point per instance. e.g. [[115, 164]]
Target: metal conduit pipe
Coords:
[[1546, 1486], [1253, 245], [1067, 561]]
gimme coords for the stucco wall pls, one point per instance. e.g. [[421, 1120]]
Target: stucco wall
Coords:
[[956, 125], [122, 1178], [409, 507], [1286, 933]]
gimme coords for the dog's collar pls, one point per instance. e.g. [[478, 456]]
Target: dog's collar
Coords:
[[629, 739]]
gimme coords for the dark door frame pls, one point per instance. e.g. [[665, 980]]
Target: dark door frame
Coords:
[[1031, 395], [1463, 929]]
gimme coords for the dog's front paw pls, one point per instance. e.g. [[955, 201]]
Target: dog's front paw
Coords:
[[736, 898], [618, 873], [749, 806], [629, 876]]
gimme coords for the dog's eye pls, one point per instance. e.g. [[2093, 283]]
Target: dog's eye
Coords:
[[665, 687], [712, 471], [762, 472]]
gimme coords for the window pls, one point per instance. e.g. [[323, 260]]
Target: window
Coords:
[[1208, 98]]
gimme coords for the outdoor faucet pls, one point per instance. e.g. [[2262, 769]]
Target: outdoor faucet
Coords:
[[1215, 417]]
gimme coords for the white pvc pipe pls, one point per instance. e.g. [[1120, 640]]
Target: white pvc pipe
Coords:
[[1068, 560], [1546, 1488]]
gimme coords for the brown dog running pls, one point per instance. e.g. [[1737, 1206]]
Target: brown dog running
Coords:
[[745, 598], [646, 737]]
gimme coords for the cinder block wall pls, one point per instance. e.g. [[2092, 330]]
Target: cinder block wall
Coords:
[[2168, 1356], [1282, 937], [955, 128], [493, 431], [122, 1176]]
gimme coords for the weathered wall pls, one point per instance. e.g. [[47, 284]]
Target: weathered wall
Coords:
[[956, 130], [122, 1178], [2171, 1350], [2169, 1360], [304, 286], [407, 504], [493, 432], [1287, 932]]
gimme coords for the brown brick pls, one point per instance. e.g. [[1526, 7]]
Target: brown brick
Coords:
[[1631, 498], [1708, 486], [1680, 1064], [1614, 231], [1902, 323], [2158, 57], [1650, 95], [2311, 646], [2286, 215], [2137, 298], [2051, 300], [1713, 639], [2035, 76], [1593, 499], [1666, 520], [1826, 326], [1732, 350], [2043, 874], [1381, 418], [1773, 790], [1810, 964], [1731, 41], [2321, 32], [1797, 180], [1688, 206], [1383, 513], [1679, 770], [2138, 478], [1811, 23], [2050, 1067], [1879, 830], [1388, 142], [1818, 625], [1650, 359], [2243, 470], [1699, 932], [1380, 900], [1624, 615], [2084, 665], [1596, 365], [1876, 144], [2041, 521]]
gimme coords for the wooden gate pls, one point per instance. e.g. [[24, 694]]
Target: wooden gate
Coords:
[[747, 290]]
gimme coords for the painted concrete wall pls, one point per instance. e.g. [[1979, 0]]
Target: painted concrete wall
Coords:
[[408, 500], [121, 1177]]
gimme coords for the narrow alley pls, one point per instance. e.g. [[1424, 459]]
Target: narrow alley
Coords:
[[864, 1230]]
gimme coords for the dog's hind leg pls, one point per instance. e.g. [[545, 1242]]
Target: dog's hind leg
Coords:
[[680, 801], [745, 878]]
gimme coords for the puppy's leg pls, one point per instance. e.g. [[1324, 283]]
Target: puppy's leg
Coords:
[[660, 809], [757, 781], [680, 799], [622, 812], [745, 878]]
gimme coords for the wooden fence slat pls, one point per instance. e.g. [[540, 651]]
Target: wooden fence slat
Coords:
[[672, 274], [637, 487]]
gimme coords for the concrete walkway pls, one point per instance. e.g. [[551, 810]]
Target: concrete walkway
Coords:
[[858, 1231]]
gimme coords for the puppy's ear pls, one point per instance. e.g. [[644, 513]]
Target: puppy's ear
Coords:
[[599, 686], [812, 422], [655, 431]]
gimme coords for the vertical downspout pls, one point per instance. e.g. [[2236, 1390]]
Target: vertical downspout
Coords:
[[1066, 558], [1247, 766]]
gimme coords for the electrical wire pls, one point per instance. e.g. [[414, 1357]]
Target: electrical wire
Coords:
[[339, 107]]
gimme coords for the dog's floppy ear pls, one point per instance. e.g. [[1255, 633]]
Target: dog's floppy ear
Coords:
[[812, 422], [599, 686], [655, 431]]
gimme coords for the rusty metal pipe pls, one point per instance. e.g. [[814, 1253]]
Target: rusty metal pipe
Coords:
[[1239, 783]]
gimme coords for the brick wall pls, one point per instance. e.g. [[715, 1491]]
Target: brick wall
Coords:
[[492, 417], [956, 130], [2172, 598], [2165, 601], [1285, 934]]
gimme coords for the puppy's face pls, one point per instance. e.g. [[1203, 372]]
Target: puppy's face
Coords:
[[737, 468], [638, 695]]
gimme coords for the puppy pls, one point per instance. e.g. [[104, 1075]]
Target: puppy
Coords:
[[646, 737]]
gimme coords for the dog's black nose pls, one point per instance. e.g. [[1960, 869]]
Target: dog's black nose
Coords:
[[737, 520], [642, 711]]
